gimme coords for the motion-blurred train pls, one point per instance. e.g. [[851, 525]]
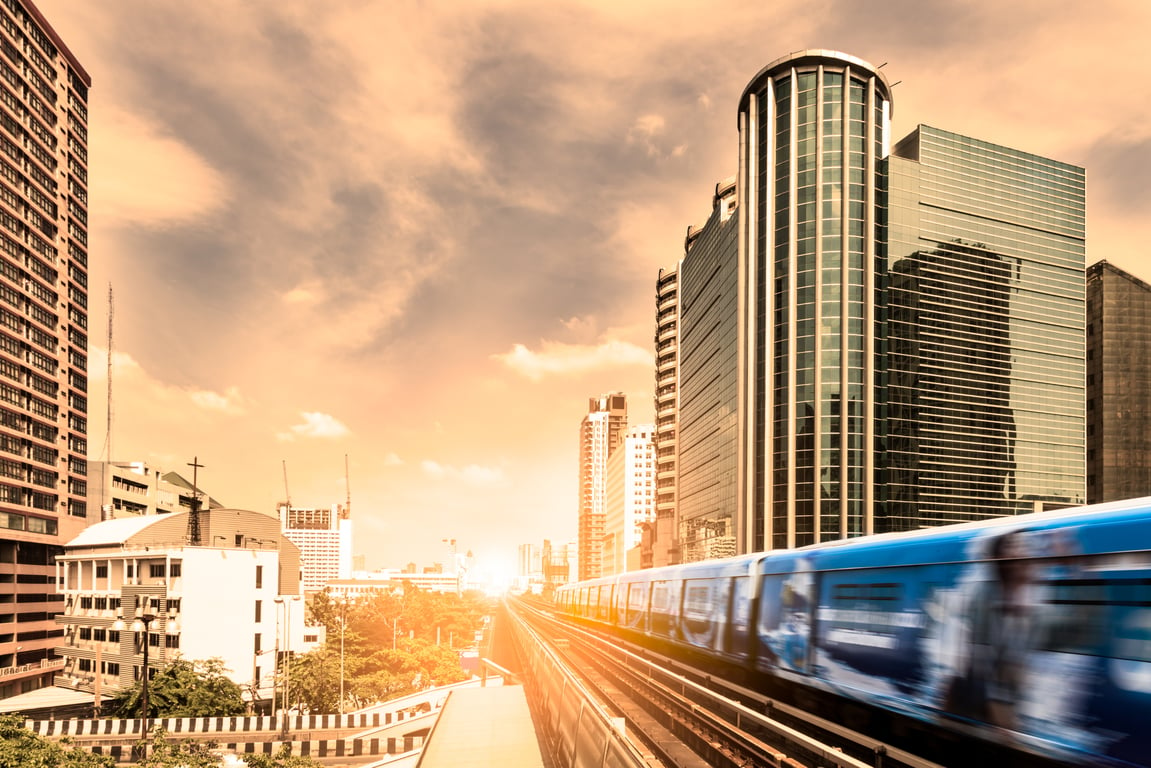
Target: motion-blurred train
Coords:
[[1031, 631]]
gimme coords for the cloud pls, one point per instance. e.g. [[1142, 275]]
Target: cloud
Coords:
[[556, 358], [158, 179], [393, 460], [318, 425], [472, 474], [134, 384], [231, 402]]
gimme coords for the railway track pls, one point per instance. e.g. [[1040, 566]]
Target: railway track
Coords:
[[686, 719]]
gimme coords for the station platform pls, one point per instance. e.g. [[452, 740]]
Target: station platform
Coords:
[[489, 727]]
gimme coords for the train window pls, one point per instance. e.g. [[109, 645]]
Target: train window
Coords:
[[867, 595]]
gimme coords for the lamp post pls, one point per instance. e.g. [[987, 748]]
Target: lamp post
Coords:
[[286, 601], [343, 631], [144, 621]]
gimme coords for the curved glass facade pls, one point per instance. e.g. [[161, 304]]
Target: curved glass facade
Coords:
[[813, 127]]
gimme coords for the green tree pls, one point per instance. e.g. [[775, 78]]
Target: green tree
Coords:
[[282, 759], [184, 689], [158, 751], [20, 748], [394, 643]]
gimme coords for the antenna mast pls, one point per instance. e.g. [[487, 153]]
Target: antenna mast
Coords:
[[108, 413]]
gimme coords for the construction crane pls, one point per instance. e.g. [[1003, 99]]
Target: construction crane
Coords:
[[287, 493], [347, 510]]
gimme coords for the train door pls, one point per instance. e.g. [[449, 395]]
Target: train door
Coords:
[[787, 609]]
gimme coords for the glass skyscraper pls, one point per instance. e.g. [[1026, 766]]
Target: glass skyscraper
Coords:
[[908, 325], [985, 413], [814, 127], [709, 384]]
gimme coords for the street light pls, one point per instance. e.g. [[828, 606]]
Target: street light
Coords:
[[144, 622], [286, 601]]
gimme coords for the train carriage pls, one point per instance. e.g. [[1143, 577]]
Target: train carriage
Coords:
[[1034, 630]]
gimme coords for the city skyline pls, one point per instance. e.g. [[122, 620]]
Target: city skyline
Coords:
[[424, 238]]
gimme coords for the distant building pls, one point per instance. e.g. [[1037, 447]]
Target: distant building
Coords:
[[629, 499], [1118, 384], [43, 335], [324, 536], [600, 433], [661, 536], [231, 598], [363, 585], [126, 488]]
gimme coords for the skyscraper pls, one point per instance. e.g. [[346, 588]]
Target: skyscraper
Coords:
[[813, 128], [663, 538], [1118, 384], [43, 334], [709, 383], [600, 433], [985, 252], [908, 324]]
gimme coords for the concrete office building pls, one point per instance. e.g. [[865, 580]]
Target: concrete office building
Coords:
[[707, 492], [43, 333], [629, 500], [229, 598], [324, 536], [126, 488], [600, 433], [1118, 384]]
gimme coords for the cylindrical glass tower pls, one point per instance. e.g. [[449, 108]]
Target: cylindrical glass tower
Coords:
[[813, 127]]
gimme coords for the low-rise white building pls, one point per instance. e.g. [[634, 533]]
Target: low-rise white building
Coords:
[[235, 597]]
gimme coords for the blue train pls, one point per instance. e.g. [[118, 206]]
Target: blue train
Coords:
[[1032, 632]]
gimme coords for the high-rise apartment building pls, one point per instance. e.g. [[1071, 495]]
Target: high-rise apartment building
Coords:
[[600, 433], [985, 303], [908, 324], [43, 334], [706, 502], [324, 537], [1118, 384], [629, 505], [664, 550]]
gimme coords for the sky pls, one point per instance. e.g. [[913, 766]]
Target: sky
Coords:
[[420, 234]]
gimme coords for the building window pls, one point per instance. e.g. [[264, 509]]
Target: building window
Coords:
[[102, 571], [157, 570], [171, 641], [257, 642], [259, 609], [259, 576], [175, 570], [130, 570]]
